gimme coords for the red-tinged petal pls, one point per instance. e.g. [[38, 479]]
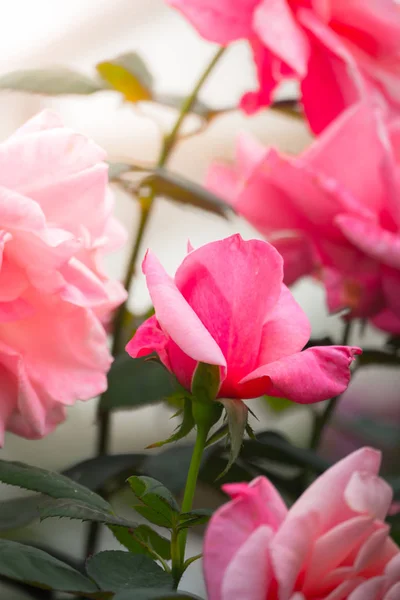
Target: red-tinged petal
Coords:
[[316, 374], [370, 238], [232, 285], [222, 22], [252, 557], [368, 494], [286, 331], [269, 74], [277, 28], [331, 72], [176, 316], [149, 338]]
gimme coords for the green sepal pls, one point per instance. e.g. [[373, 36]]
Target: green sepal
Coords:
[[183, 429]]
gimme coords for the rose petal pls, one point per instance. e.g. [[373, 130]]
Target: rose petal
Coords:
[[310, 376], [176, 316]]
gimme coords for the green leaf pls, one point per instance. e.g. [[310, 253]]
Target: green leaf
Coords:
[[195, 517], [126, 539], [19, 512], [153, 540], [143, 540], [25, 563], [160, 507], [49, 483], [129, 75], [206, 382], [135, 382], [150, 492], [53, 82], [71, 509], [279, 405], [183, 429], [94, 473], [114, 571], [236, 412], [162, 519], [176, 187], [154, 594]]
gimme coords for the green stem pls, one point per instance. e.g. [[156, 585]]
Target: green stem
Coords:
[[146, 207], [170, 139], [190, 488], [322, 420], [176, 568]]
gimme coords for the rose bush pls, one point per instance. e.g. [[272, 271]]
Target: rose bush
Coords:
[[340, 50], [55, 225], [227, 306], [332, 544]]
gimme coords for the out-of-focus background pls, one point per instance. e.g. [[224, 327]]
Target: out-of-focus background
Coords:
[[78, 34]]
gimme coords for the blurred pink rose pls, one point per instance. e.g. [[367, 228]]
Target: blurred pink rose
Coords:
[[332, 212], [56, 223], [340, 50], [227, 306], [332, 544]]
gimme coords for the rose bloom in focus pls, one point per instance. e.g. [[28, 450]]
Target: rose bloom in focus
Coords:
[[332, 544], [332, 212], [227, 306], [55, 225], [339, 50]]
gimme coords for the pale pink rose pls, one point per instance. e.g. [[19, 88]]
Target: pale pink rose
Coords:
[[337, 203], [55, 225], [332, 544], [227, 306], [340, 50]]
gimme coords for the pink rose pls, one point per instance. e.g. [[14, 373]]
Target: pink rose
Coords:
[[340, 50], [332, 212], [332, 544], [227, 306], [56, 224]]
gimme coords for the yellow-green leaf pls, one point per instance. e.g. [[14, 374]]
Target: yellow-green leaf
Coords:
[[129, 75]]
